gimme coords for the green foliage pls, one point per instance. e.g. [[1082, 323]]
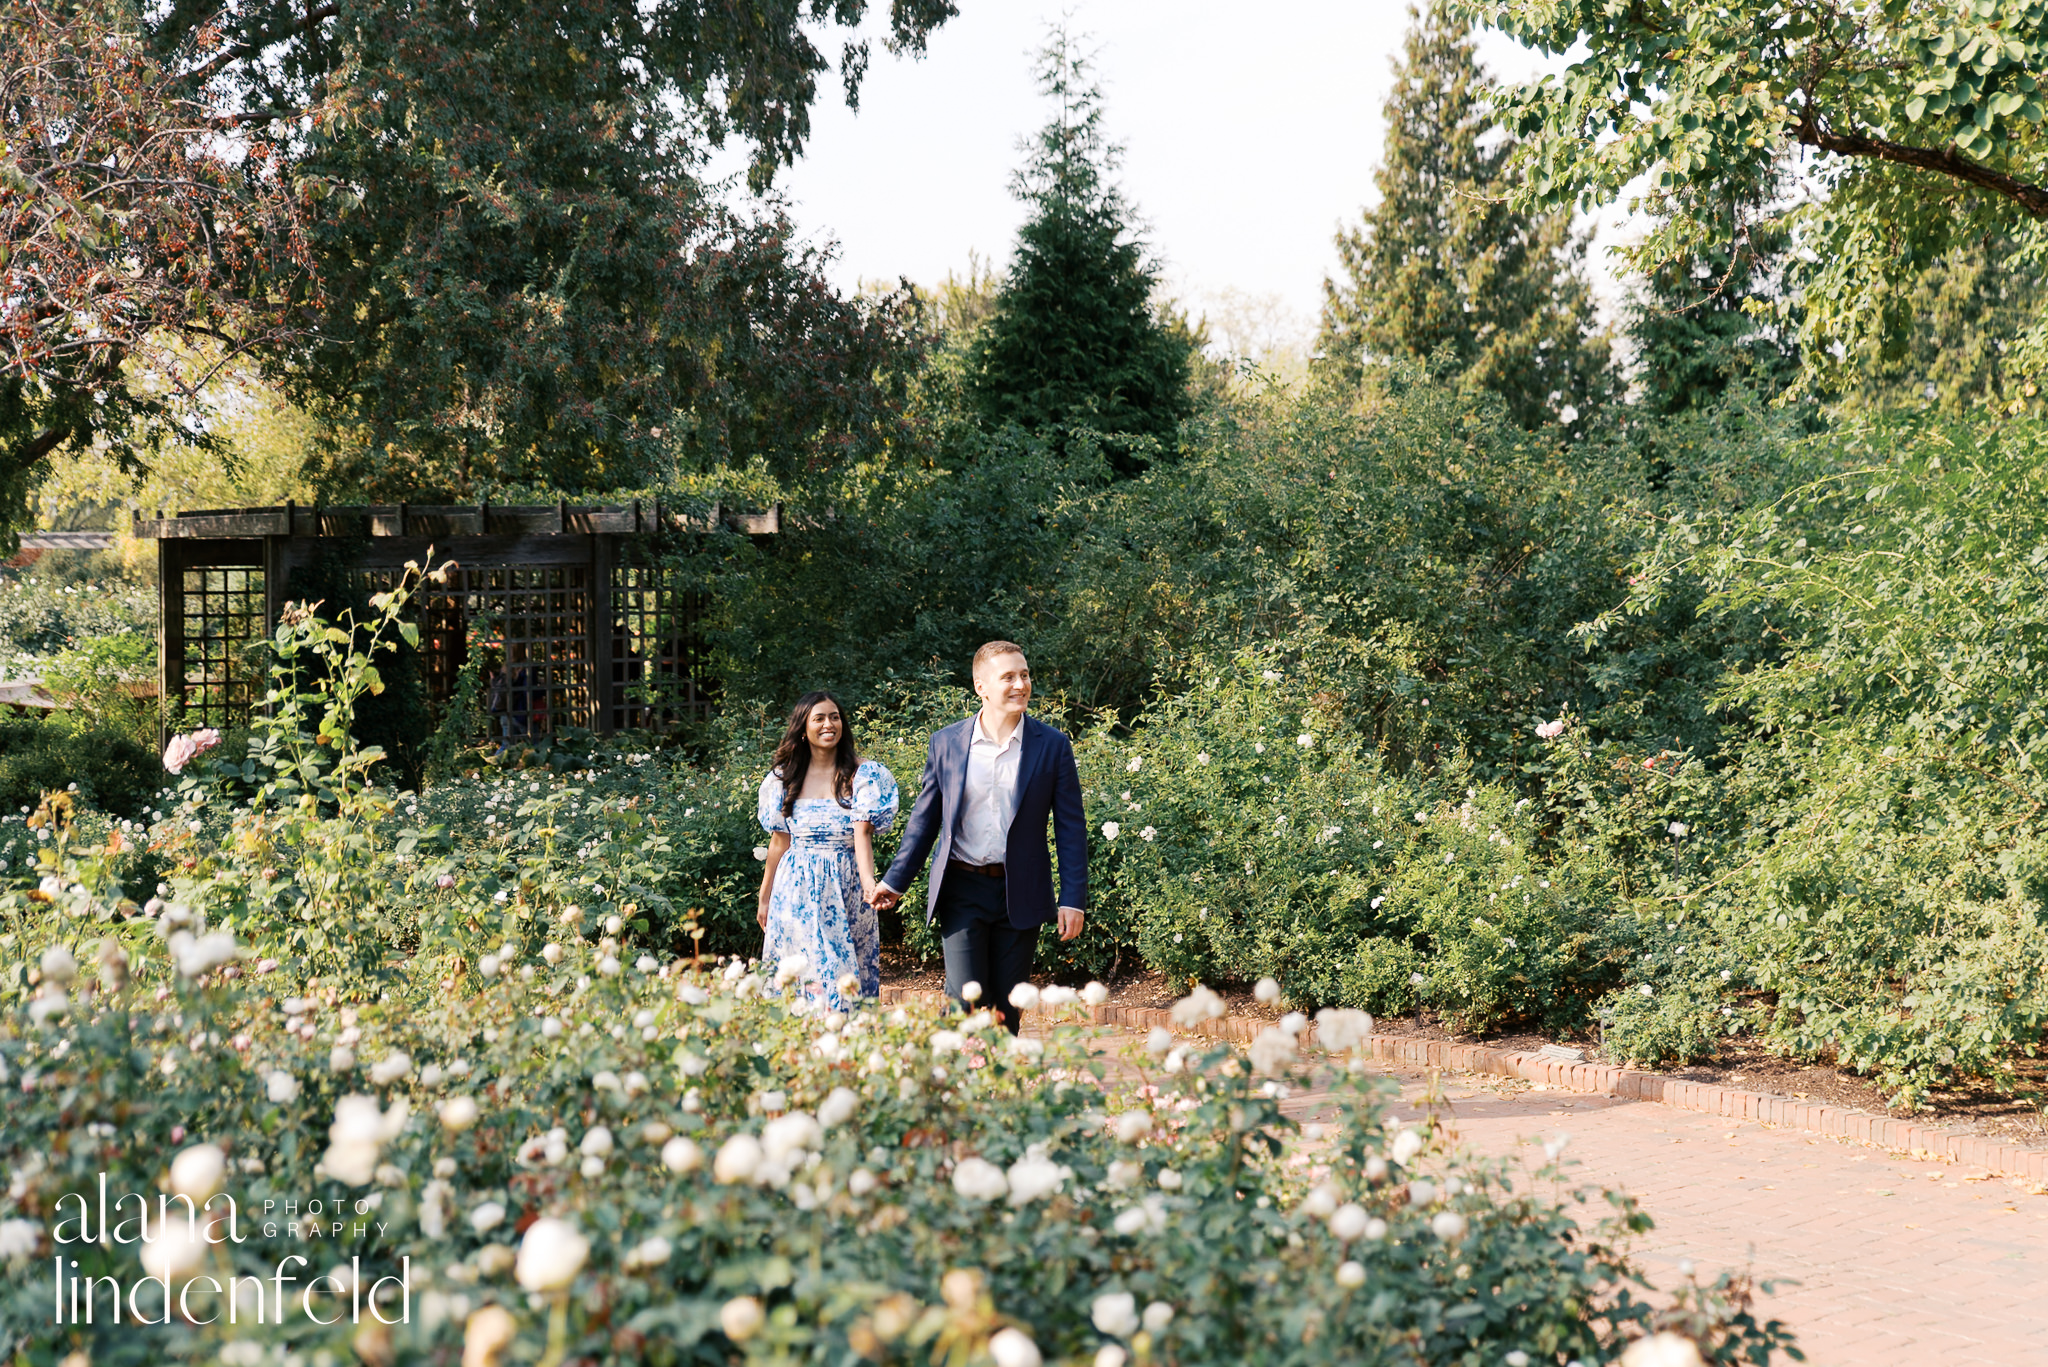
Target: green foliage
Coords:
[[109, 769], [396, 718], [700, 1217], [522, 275], [1949, 340], [1699, 324], [1925, 124], [1442, 269], [1257, 834], [1871, 862], [40, 616], [1075, 340], [97, 682], [1673, 1023]]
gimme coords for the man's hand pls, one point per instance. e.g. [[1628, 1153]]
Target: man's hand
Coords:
[[884, 897], [1071, 919]]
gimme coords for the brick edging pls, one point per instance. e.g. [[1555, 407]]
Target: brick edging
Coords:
[[1601, 1079]]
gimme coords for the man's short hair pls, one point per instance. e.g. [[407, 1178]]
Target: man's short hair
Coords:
[[993, 649]]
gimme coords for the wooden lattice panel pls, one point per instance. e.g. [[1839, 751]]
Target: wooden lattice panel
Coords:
[[539, 615], [657, 655], [222, 663]]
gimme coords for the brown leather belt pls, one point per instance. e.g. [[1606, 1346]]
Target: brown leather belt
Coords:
[[985, 870]]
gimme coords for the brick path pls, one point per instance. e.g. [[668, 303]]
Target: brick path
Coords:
[[1898, 1261]]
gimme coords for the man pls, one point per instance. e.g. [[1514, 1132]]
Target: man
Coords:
[[990, 783]]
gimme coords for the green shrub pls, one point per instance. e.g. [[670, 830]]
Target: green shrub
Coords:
[[1258, 835], [1675, 1022], [110, 769], [457, 1094]]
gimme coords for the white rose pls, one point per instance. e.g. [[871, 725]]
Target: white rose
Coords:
[[1407, 1144], [1024, 996], [1663, 1350], [391, 1068], [436, 1199], [281, 1087], [738, 1159], [177, 1251], [58, 965], [197, 1172], [1157, 1316], [1013, 1348], [1347, 1222], [597, 1142], [1350, 1275], [1320, 1203], [550, 1255], [1033, 1176], [650, 1252], [1115, 1314], [487, 1217], [681, 1155], [741, 1318], [1447, 1224], [787, 1137], [1094, 994], [458, 1113], [1131, 1126], [838, 1108], [977, 1179]]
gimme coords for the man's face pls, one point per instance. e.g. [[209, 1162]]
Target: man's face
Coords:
[[1004, 683]]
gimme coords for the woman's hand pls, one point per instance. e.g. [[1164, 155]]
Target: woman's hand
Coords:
[[761, 916], [867, 889]]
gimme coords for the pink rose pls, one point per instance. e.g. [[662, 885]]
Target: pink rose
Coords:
[[184, 749], [1550, 730]]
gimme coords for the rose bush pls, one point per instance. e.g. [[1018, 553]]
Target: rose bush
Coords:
[[569, 1142], [639, 1167]]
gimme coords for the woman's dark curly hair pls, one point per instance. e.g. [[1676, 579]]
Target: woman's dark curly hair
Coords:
[[793, 756]]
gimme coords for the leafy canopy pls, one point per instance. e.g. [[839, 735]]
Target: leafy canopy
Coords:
[[1920, 125], [146, 241]]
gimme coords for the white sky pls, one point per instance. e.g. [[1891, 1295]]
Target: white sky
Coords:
[[1250, 134]]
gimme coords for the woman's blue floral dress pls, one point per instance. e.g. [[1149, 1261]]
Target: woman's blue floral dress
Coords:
[[815, 908]]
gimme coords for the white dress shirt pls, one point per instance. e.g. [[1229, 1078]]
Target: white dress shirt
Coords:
[[981, 833]]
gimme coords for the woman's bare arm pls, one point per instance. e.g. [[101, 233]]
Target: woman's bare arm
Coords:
[[864, 857], [778, 845]]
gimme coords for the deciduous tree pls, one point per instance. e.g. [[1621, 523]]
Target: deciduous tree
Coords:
[[1885, 136], [146, 240]]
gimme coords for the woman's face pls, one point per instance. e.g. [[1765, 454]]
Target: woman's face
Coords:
[[823, 726]]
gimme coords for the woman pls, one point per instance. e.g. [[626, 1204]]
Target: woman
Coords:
[[821, 805]]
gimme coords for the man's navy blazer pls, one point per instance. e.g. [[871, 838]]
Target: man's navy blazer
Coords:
[[1048, 784]]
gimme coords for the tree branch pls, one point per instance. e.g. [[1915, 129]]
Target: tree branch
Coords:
[[205, 71], [1947, 161]]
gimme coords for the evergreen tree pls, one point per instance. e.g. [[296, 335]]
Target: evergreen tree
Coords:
[[1075, 340], [1692, 328], [1442, 264]]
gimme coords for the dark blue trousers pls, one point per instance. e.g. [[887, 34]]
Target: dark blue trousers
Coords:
[[980, 943]]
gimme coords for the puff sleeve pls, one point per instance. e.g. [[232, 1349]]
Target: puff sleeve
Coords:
[[770, 811], [874, 795]]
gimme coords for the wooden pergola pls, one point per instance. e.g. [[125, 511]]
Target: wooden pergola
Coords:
[[587, 621]]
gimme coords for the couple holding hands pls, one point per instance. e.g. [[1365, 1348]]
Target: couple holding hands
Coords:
[[991, 783]]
